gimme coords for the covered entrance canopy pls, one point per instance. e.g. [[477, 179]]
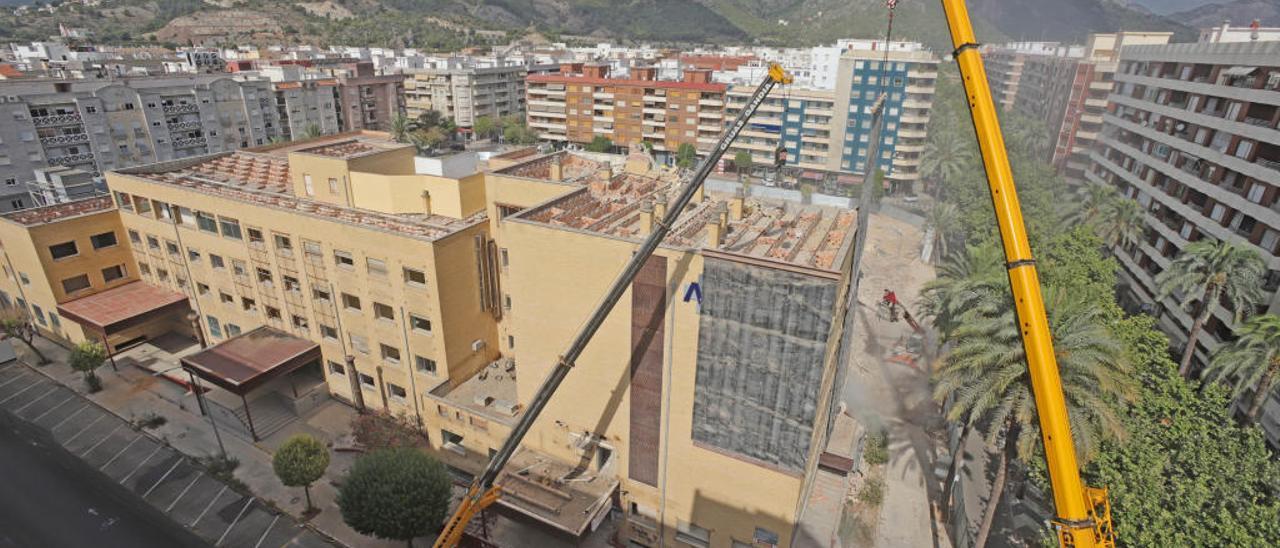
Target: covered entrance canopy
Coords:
[[248, 361], [130, 313]]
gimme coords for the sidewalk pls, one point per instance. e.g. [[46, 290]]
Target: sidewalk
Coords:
[[144, 463]]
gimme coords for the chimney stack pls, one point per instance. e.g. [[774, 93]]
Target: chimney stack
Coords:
[[646, 217], [557, 172], [716, 227], [660, 207], [735, 206]]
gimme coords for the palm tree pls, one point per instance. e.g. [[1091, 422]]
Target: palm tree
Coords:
[[1212, 269], [401, 128], [944, 220], [1092, 202], [985, 378], [963, 280], [1121, 222], [311, 131], [1253, 360], [945, 158]]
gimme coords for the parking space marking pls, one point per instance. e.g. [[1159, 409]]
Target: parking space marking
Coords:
[[70, 397], [121, 452], [101, 441], [247, 503], [199, 475], [144, 461], [20, 375], [20, 392], [166, 474], [268, 531], [85, 429], [68, 417], [208, 506], [42, 396]]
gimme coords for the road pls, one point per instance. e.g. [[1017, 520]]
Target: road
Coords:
[[51, 498]]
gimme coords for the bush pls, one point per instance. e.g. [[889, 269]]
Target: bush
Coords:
[[877, 448], [872, 491]]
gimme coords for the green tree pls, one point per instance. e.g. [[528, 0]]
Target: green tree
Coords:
[[485, 127], [600, 143], [1185, 475], [429, 119], [518, 134], [944, 220], [1092, 201], [963, 280], [428, 138], [300, 461], [945, 158], [396, 494], [985, 378], [311, 131], [743, 163], [87, 357], [1211, 269], [1121, 223], [15, 324], [1251, 361], [686, 156]]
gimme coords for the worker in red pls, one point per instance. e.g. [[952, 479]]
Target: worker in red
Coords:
[[891, 299]]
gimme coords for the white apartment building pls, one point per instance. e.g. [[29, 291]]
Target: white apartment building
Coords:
[[465, 89]]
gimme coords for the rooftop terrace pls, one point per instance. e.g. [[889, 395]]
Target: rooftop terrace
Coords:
[[58, 212], [491, 391]]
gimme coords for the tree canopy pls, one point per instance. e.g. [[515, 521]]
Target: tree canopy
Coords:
[[396, 494], [300, 461]]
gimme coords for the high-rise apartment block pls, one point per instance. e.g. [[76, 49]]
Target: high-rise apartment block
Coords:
[[98, 125], [367, 99], [583, 102], [1192, 134], [830, 130], [1066, 87], [464, 90], [1004, 65]]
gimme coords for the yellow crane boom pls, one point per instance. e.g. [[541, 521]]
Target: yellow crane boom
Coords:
[[1083, 514]]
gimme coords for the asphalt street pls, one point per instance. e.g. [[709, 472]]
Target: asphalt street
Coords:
[[51, 498]]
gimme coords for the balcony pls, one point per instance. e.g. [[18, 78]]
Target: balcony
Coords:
[[72, 159], [185, 125], [56, 120], [69, 139], [180, 109], [189, 142]]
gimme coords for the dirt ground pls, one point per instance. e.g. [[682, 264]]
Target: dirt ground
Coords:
[[888, 389]]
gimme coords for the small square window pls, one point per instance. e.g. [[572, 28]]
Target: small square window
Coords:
[[396, 392], [350, 302], [273, 313], [74, 284], [383, 312], [366, 381], [390, 354], [202, 289], [225, 297], [135, 237], [376, 267], [343, 259], [415, 277], [63, 250], [216, 261], [328, 332], [299, 322], [424, 365], [249, 305], [232, 330], [337, 368], [359, 343], [420, 323], [113, 273], [320, 294], [171, 247], [106, 239], [193, 255], [264, 275]]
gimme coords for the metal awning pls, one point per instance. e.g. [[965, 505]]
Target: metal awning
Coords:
[[119, 308], [245, 362], [1239, 71]]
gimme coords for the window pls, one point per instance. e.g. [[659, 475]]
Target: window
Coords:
[[306, 182], [232, 330], [202, 288], [320, 294], [172, 248], [328, 332], [273, 313], [106, 239], [420, 323], [415, 277], [511, 341], [337, 368], [397, 392], [216, 261], [113, 273], [366, 381], [390, 354], [255, 237], [350, 302], [692, 535], [214, 329], [359, 343], [383, 312], [144, 268], [376, 267], [230, 228], [39, 314], [505, 260], [291, 284], [312, 250], [264, 275], [76, 283], [343, 259], [63, 250], [248, 304], [123, 201], [424, 365], [238, 267], [299, 322], [134, 237], [143, 205], [193, 255], [283, 245], [333, 185], [206, 223], [452, 442], [225, 297]]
